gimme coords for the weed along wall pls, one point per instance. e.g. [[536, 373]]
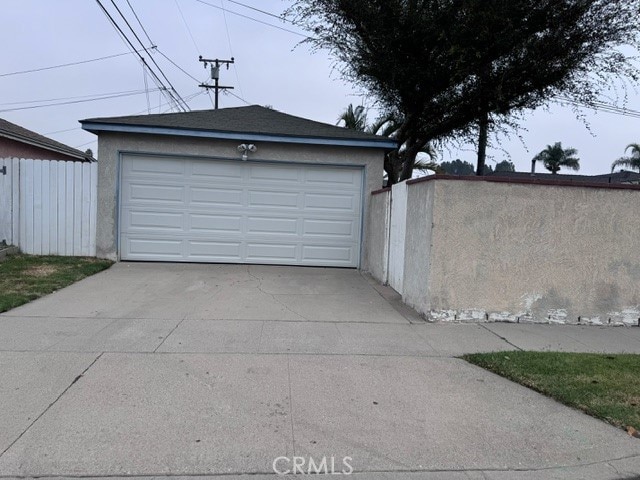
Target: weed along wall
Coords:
[[489, 250]]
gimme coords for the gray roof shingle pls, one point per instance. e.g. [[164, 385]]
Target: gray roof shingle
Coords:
[[21, 134], [253, 119]]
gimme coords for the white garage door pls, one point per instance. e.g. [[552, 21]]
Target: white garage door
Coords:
[[177, 209]]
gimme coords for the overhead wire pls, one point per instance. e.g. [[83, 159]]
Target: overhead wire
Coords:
[[600, 106], [226, 26], [72, 102], [139, 22], [184, 21], [264, 12], [46, 100], [183, 103], [168, 94], [253, 19], [71, 64]]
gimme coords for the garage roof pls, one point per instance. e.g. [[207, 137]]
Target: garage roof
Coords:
[[252, 123]]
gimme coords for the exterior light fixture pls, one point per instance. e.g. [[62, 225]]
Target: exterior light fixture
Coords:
[[245, 149]]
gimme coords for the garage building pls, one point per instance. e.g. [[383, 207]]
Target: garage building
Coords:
[[236, 185]]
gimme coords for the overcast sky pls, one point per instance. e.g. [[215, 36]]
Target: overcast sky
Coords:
[[269, 70]]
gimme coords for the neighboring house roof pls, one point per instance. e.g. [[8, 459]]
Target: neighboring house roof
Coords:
[[617, 177], [20, 134], [252, 123]]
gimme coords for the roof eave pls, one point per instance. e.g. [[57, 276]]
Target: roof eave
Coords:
[[35, 143], [96, 127]]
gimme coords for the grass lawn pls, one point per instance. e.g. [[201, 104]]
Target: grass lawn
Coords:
[[24, 278], [604, 386]]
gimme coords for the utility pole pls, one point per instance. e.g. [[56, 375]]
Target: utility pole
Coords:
[[215, 75]]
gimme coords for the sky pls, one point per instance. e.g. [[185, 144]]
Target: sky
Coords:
[[271, 68]]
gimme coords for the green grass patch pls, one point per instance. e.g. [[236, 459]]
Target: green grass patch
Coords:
[[24, 278], [604, 386]]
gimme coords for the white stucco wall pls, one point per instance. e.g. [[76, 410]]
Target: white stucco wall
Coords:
[[397, 235], [111, 145], [480, 250]]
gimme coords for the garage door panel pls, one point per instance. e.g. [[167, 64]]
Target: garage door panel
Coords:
[[154, 166], [212, 196], [143, 248], [274, 173], [144, 220], [326, 253], [217, 171], [345, 229], [215, 250], [271, 252], [337, 179], [155, 193], [240, 212], [332, 202], [203, 223], [272, 226], [273, 199]]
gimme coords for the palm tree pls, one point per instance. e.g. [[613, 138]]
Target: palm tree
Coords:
[[632, 162], [354, 118], [555, 157]]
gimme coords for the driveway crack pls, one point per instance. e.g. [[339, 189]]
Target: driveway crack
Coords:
[[170, 333], [293, 436], [273, 295], [74, 381], [500, 336]]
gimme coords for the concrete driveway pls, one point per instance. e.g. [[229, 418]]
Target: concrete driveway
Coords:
[[212, 370]]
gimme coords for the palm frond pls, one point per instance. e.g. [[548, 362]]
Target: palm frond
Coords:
[[635, 149], [629, 162], [354, 118]]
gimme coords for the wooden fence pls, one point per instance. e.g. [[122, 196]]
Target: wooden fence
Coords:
[[49, 207]]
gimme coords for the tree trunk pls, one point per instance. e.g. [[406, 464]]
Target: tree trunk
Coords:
[[409, 159], [482, 142], [390, 166]]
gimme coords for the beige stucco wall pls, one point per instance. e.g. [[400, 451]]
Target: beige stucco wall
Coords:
[[376, 255], [418, 240], [524, 252], [110, 145]]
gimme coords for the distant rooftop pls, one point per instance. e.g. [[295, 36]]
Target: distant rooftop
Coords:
[[248, 123], [20, 134], [616, 177]]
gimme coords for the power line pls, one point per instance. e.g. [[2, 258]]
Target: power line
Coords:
[[253, 19], [33, 70], [188, 97], [139, 22], [179, 67], [124, 37], [602, 107], [264, 12], [237, 96], [226, 26], [93, 95], [184, 20], [72, 102], [184, 104]]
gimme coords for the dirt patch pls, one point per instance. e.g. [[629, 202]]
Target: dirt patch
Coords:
[[41, 271]]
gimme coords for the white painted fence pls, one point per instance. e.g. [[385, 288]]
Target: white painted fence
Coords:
[[49, 207], [398, 230]]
